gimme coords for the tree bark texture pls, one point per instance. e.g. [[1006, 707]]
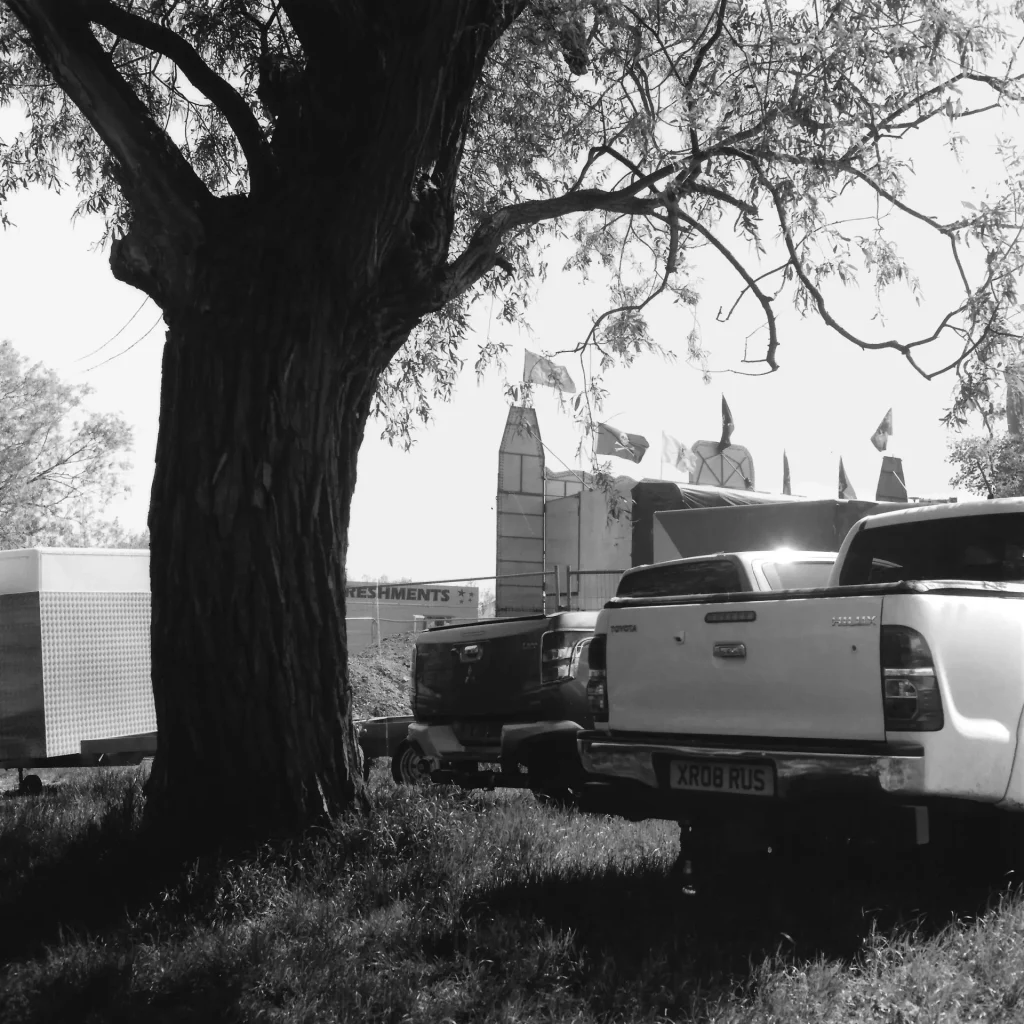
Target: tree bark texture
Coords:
[[267, 384], [283, 307], [279, 325]]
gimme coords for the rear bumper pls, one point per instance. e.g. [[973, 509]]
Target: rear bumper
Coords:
[[798, 774], [440, 742]]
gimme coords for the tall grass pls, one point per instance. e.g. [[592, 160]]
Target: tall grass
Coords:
[[446, 906]]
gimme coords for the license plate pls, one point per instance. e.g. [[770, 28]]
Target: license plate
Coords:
[[743, 779]]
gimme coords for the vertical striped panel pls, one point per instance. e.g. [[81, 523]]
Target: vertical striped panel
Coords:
[[22, 719], [520, 515], [96, 667]]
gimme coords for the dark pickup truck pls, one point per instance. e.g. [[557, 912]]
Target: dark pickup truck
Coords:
[[495, 703]]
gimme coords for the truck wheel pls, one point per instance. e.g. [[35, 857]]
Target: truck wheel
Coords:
[[409, 767], [31, 785]]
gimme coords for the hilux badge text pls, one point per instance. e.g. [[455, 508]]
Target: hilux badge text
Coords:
[[854, 620]]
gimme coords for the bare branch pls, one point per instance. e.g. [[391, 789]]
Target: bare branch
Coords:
[[904, 348], [695, 70], [698, 61], [595, 154], [156, 37], [751, 283], [947, 230], [889, 122], [479, 256], [150, 168], [757, 128], [746, 288], [722, 197]]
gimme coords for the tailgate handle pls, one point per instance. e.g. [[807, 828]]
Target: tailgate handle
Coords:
[[730, 650], [471, 652]]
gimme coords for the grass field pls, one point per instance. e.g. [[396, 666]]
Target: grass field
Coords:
[[444, 906]]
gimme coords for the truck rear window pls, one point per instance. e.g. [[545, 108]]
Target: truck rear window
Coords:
[[796, 575], [983, 548], [714, 576]]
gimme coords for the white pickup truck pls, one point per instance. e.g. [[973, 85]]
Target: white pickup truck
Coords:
[[888, 704], [513, 691]]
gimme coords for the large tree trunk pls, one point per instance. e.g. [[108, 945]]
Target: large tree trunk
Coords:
[[283, 307], [267, 384]]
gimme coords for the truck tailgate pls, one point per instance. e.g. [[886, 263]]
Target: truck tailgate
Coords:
[[478, 670], [788, 667]]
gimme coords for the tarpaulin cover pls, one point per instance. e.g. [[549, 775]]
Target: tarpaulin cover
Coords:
[[650, 496], [804, 525]]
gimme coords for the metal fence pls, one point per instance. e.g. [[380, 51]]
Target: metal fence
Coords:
[[562, 589], [589, 589]]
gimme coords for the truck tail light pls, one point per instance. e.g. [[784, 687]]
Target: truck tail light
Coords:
[[555, 657], [597, 684], [413, 680], [910, 692]]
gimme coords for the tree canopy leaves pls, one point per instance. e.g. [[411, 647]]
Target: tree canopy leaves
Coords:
[[991, 466], [644, 131], [59, 465]]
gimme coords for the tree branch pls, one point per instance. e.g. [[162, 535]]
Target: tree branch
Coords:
[[889, 122], [695, 70], [480, 255], [236, 111], [154, 176], [766, 302], [633, 307], [598, 151], [719, 19], [722, 197], [904, 348]]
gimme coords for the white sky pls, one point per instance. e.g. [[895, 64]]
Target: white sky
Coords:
[[429, 513]]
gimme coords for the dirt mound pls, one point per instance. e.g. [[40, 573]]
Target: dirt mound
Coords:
[[380, 678]]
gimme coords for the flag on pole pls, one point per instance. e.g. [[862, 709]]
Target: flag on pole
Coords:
[[612, 441], [539, 370], [845, 487], [785, 473], [675, 453], [880, 438], [727, 426]]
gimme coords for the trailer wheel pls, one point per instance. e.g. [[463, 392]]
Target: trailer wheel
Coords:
[[31, 785], [411, 768]]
